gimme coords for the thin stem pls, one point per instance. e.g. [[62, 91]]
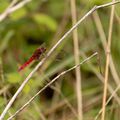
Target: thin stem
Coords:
[[65, 99], [52, 81], [11, 8], [76, 56], [101, 78], [107, 62], [112, 95], [104, 42], [49, 53]]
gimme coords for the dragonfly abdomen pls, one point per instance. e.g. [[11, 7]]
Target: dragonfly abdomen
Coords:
[[36, 55], [26, 64]]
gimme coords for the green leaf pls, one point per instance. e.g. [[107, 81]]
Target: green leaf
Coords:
[[13, 77], [6, 40], [99, 2], [28, 86], [46, 20], [18, 14], [2, 101], [3, 5], [26, 89]]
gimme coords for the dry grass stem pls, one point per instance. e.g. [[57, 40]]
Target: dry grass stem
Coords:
[[65, 100], [4, 89], [49, 53], [11, 8], [101, 78], [104, 42], [107, 62], [48, 84], [113, 93], [76, 56]]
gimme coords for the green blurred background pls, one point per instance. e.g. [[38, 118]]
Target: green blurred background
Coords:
[[42, 23]]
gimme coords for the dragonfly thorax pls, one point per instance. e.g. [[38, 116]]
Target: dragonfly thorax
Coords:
[[38, 52]]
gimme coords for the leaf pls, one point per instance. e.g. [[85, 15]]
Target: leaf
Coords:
[[56, 9], [26, 89], [3, 5], [46, 20], [6, 40], [13, 77], [99, 2], [18, 14], [28, 86], [2, 101]]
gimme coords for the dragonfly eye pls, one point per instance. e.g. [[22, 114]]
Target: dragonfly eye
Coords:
[[38, 52], [43, 49]]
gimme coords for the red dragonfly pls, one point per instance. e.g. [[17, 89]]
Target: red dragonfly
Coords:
[[36, 55]]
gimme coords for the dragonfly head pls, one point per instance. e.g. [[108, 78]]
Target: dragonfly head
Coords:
[[38, 52], [42, 49]]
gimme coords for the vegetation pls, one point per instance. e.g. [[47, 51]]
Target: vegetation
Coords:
[[42, 23]]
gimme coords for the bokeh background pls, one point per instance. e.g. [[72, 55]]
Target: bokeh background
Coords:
[[43, 23]]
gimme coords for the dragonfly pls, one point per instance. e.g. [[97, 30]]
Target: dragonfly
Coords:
[[35, 56]]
